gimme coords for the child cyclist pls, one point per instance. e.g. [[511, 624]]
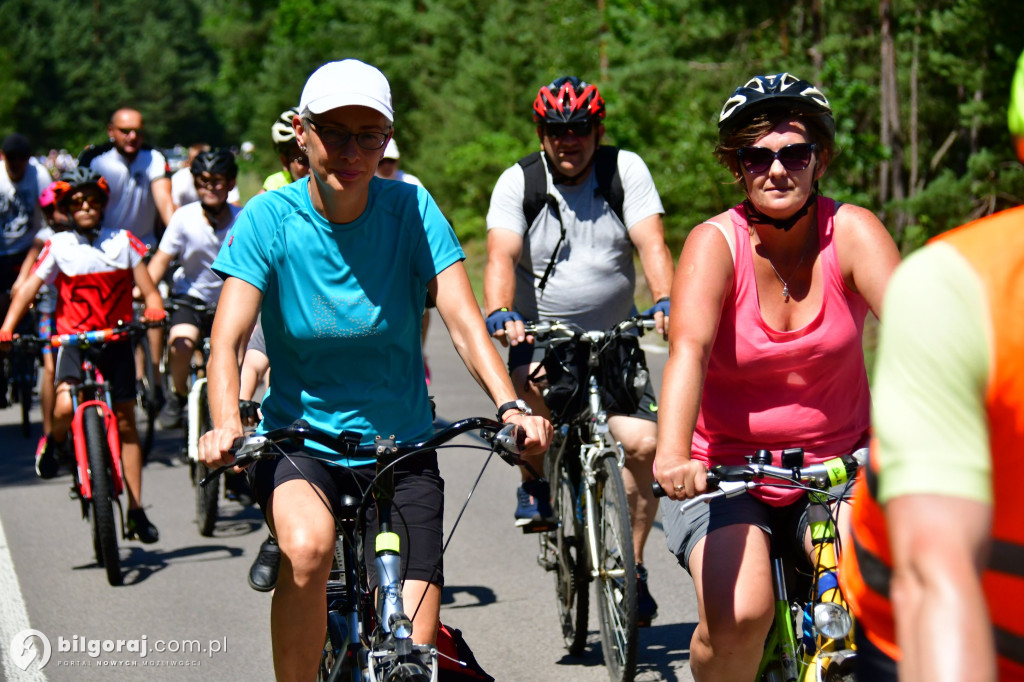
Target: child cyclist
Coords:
[[92, 269], [194, 237]]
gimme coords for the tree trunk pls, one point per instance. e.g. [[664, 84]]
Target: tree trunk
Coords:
[[891, 172]]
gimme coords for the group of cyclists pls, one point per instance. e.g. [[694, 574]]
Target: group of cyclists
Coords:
[[764, 315]]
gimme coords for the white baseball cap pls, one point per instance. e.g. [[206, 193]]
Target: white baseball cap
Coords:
[[391, 151], [349, 82]]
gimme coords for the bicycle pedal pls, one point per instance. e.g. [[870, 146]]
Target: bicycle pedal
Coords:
[[546, 563], [531, 528]]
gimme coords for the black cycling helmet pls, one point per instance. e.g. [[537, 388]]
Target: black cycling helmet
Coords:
[[282, 132], [77, 179], [568, 100], [763, 92], [216, 162]]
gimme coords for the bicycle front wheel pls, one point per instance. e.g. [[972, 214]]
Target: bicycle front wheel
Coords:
[[615, 587], [104, 529], [571, 572], [147, 391], [206, 496]]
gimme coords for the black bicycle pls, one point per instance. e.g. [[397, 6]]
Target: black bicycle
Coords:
[[585, 373], [367, 641]]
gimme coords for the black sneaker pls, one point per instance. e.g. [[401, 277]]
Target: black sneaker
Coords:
[[263, 572], [170, 413], [646, 607], [47, 459], [533, 507], [141, 528]]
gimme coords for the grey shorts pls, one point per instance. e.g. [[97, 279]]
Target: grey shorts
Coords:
[[526, 354], [786, 525]]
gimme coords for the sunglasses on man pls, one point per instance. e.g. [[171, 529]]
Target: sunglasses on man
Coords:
[[576, 128]]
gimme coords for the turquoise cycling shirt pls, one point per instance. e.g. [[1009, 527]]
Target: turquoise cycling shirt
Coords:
[[343, 306]]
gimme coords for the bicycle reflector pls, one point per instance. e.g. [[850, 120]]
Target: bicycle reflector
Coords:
[[832, 620]]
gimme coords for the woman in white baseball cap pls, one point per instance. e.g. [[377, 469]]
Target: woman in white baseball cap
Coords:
[[340, 266]]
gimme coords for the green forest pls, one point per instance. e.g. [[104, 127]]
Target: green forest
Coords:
[[919, 88]]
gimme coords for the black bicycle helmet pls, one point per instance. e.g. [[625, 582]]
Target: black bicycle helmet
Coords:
[[568, 100], [78, 179], [216, 162], [282, 132], [761, 92]]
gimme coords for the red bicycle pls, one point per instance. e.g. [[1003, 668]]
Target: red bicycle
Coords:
[[99, 481]]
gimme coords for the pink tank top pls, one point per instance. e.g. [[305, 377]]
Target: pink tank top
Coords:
[[775, 390]]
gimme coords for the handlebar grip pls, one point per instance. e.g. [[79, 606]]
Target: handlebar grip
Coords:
[[713, 480], [658, 490]]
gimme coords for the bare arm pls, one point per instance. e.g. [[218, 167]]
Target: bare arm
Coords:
[[158, 265], [867, 254], [457, 306], [648, 236], [255, 367], [26, 265], [702, 282], [162, 198], [503, 250], [236, 314], [150, 294], [942, 623], [20, 302]]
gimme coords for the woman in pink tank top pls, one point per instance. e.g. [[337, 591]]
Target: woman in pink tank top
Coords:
[[764, 352]]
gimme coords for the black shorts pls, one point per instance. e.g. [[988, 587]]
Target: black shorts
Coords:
[[10, 266], [872, 663], [185, 313], [115, 361], [417, 514], [526, 353]]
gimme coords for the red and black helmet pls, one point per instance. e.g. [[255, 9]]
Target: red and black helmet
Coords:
[[568, 100]]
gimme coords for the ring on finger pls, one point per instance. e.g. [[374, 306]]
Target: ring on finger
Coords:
[[679, 488]]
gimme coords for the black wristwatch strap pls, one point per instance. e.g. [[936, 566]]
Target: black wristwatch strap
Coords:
[[510, 405]]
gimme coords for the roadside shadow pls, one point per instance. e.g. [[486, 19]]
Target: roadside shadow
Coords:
[[138, 564], [18, 465], [477, 595], [662, 649]]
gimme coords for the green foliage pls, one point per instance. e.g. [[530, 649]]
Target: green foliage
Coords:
[[464, 74]]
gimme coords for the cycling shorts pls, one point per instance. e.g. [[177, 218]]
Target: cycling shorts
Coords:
[[47, 327], [528, 354], [787, 525], [417, 515], [115, 361], [187, 314], [872, 663]]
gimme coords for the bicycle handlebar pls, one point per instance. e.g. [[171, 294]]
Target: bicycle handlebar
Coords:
[[815, 477], [506, 439], [547, 329], [102, 335]]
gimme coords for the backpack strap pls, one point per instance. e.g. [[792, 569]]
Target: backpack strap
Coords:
[[535, 190], [609, 183]]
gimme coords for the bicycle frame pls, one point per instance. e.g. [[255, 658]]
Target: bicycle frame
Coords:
[[95, 384]]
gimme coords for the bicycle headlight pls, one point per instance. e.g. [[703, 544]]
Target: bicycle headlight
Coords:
[[832, 620]]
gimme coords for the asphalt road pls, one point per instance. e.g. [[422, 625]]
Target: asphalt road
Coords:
[[185, 600]]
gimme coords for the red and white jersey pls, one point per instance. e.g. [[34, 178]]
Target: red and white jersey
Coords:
[[93, 281]]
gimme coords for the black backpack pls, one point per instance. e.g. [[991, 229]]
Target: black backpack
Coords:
[[536, 195]]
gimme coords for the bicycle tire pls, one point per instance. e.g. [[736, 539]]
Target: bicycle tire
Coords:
[[206, 496], [145, 397], [572, 575], [615, 586], [104, 528]]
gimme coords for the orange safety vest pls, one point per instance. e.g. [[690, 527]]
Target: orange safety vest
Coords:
[[994, 246]]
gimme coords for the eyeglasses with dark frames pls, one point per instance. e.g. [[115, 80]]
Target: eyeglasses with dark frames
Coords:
[[336, 137], [78, 202], [793, 157], [212, 183], [577, 128]]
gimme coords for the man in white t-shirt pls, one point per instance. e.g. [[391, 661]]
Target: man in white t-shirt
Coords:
[[183, 188], [22, 181], [570, 258], [194, 237], [140, 189]]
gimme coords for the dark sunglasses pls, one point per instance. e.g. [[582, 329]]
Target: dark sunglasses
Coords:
[[128, 131], [578, 129], [211, 183], [794, 157], [78, 201]]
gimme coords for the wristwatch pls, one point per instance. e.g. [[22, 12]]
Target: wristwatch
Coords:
[[519, 405]]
